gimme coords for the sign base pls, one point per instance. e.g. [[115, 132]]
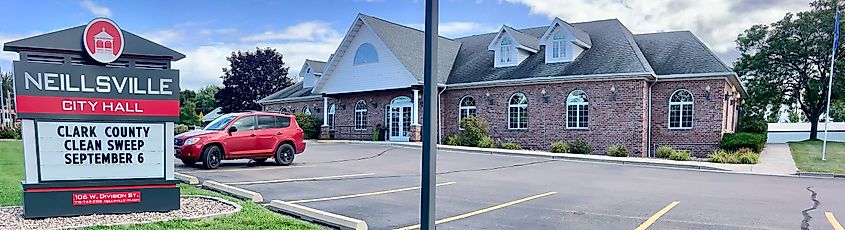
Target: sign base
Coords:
[[74, 198]]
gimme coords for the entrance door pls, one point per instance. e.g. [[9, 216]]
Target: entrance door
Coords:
[[400, 119]]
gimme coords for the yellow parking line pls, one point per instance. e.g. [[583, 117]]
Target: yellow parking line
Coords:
[[469, 214], [362, 194], [656, 216], [298, 179], [833, 221]]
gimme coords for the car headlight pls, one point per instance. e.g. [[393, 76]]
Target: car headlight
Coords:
[[191, 141]]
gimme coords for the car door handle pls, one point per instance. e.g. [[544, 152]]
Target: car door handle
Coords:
[[252, 135], [279, 133]]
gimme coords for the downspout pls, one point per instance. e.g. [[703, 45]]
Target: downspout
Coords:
[[440, 116], [649, 154]]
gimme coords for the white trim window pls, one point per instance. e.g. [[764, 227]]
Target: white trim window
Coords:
[[365, 54], [505, 47], [361, 115], [681, 109], [518, 111], [577, 110], [558, 46], [466, 108], [331, 116]]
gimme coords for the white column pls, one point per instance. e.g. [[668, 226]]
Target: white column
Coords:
[[414, 113], [325, 111]]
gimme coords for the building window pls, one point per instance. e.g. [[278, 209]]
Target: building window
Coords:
[[361, 115], [331, 116], [466, 109], [558, 47], [306, 110], [680, 110], [284, 111], [366, 54], [518, 112], [577, 111], [505, 50]]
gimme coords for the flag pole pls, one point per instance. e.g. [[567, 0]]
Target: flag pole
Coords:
[[830, 80]]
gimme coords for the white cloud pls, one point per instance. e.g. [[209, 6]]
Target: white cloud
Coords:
[[165, 36], [95, 9], [6, 58], [716, 22], [203, 65], [308, 31]]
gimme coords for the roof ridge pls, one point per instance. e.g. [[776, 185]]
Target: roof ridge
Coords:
[[664, 32], [629, 37], [408, 27], [314, 60], [710, 51]]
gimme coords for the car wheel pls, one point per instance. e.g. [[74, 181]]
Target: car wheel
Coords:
[[284, 154], [211, 157], [260, 160], [188, 162]]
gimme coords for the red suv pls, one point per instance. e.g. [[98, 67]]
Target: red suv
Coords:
[[252, 135]]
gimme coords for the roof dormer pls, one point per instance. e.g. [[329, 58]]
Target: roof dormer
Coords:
[[511, 47], [310, 72], [563, 42]]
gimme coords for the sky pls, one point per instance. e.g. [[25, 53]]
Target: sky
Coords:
[[209, 31]]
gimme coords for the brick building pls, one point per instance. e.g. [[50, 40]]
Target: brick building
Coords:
[[592, 81]]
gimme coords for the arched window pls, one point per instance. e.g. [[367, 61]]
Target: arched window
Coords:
[[99, 44], [505, 50], [518, 112], [558, 47], [466, 108], [306, 110], [284, 110], [365, 54], [680, 110], [577, 112], [331, 116], [108, 45], [361, 115]]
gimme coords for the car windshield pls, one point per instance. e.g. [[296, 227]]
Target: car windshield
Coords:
[[219, 123]]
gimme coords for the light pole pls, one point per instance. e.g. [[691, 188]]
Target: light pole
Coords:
[[429, 126]]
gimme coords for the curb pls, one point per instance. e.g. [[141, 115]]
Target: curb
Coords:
[[234, 191], [314, 215], [187, 179], [820, 175]]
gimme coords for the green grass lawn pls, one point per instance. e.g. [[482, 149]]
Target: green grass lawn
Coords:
[[251, 216], [808, 158]]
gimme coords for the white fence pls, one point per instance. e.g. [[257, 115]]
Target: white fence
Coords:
[[786, 132]]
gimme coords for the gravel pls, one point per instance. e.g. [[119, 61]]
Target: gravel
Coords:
[[192, 207]]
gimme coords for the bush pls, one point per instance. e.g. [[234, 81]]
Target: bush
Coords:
[[580, 147], [753, 125], [511, 146], [736, 141], [180, 128], [680, 155], [486, 142], [731, 157], [10, 133], [474, 130], [310, 126], [559, 147], [617, 150], [663, 151], [454, 139]]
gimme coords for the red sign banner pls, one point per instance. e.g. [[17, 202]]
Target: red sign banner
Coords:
[[96, 106], [106, 198]]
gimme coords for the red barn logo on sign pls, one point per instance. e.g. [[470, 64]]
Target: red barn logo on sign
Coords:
[[103, 40]]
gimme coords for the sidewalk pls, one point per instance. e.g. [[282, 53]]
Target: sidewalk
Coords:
[[776, 159]]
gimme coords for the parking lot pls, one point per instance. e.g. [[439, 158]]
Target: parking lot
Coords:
[[379, 184]]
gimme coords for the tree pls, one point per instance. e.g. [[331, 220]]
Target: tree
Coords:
[[187, 95], [188, 115], [788, 61], [837, 110], [205, 98], [250, 77], [795, 116]]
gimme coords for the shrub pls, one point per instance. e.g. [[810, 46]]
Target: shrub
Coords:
[[731, 157], [748, 158], [474, 130], [736, 141], [617, 150], [663, 151], [753, 125], [10, 133], [512, 146], [310, 126], [580, 147], [180, 128], [454, 139], [486, 142], [680, 155], [559, 147], [18, 132]]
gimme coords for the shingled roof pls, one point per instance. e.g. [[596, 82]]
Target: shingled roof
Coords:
[[70, 39], [296, 91], [316, 66], [679, 52]]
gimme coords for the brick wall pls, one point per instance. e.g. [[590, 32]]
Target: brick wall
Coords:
[[316, 107], [707, 127], [619, 121], [376, 102]]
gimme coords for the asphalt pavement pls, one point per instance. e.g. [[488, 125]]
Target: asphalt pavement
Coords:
[[379, 184]]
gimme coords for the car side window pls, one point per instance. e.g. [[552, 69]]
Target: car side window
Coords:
[[266, 122], [282, 121], [245, 123]]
